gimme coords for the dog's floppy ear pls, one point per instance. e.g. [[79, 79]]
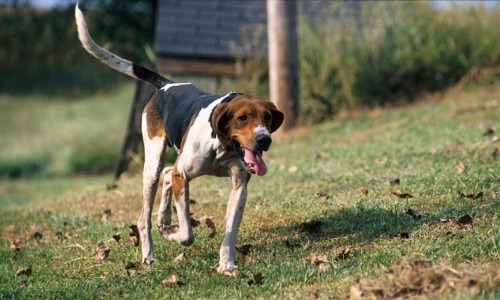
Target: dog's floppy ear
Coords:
[[277, 116], [219, 121]]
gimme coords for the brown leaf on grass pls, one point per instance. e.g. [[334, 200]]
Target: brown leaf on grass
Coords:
[[244, 249], [15, 245], [398, 193], [258, 279], [180, 257], [395, 181], [322, 195], [211, 225], [311, 227], [363, 191], [37, 236], [106, 215], [344, 254], [133, 235], [24, 271], [470, 196], [317, 259], [192, 201], [171, 280], [321, 155], [59, 235], [133, 266], [291, 245], [117, 237], [465, 220], [111, 186], [194, 222], [415, 214], [416, 277], [233, 273], [23, 283], [461, 168], [489, 131], [102, 250]]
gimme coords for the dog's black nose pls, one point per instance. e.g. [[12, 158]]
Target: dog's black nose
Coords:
[[263, 142]]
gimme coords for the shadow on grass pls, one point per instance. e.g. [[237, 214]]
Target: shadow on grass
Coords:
[[360, 223]]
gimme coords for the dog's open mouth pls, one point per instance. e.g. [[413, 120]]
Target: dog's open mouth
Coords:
[[251, 160]]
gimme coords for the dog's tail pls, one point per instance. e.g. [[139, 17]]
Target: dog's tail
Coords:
[[112, 60]]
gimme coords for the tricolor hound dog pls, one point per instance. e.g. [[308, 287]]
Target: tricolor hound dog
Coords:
[[212, 135]]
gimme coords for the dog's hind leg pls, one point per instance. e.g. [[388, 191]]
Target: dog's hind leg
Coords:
[[154, 148], [182, 233], [164, 211]]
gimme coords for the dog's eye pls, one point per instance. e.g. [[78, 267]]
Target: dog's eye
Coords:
[[242, 118], [267, 117]]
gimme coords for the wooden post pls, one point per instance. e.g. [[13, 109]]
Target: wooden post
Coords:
[[283, 65]]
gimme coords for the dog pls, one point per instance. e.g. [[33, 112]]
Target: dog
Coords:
[[212, 135]]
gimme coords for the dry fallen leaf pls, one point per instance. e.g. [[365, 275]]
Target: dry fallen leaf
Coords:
[[398, 193], [395, 181], [180, 257], [194, 222], [37, 236], [470, 196], [171, 280], [106, 214], [321, 155], [244, 249], [15, 245], [317, 258], [489, 131], [211, 225], [258, 279], [102, 250], [344, 254], [117, 237], [413, 213], [311, 227], [291, 245], [133, 235], [133, 266], [461, 168], [363, 191], [322, 195], [465, 220], [23, 271], [231, 273]]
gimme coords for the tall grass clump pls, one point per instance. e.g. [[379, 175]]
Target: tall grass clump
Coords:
[[378, 53]]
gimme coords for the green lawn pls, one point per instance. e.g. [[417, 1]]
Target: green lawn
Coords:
[[332, 212]]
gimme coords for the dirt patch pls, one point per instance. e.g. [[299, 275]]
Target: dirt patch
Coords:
[[417, 277]]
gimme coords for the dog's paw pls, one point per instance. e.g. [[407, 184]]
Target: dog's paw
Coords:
[[148, 261], [226, 268], [169, 231], [172, 233]]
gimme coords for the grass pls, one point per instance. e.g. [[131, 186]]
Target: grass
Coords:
[[315, 175], [51, 135]]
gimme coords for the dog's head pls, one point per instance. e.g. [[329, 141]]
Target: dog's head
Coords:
[[244, 125]]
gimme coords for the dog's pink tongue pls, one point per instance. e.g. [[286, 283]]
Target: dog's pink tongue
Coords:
[[255, 162]]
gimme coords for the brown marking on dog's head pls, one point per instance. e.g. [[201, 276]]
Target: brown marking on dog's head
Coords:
[[237, 120]]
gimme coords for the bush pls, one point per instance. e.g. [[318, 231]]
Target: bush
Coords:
[[398, 51]]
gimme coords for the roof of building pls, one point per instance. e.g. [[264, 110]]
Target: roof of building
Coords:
[[208, 29]]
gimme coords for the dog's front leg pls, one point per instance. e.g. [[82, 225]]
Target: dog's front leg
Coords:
[[234, 214], [183, 233]]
